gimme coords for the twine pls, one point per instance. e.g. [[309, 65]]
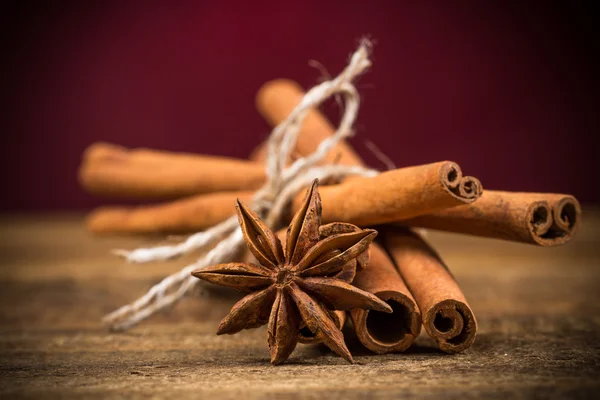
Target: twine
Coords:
[[270, 202]]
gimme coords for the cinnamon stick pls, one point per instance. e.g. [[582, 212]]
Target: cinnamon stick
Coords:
[[447, 317], [391, 196], [398, 194], [545, 219], [181, 216], [276, 99], [116, 171], [382, 332]]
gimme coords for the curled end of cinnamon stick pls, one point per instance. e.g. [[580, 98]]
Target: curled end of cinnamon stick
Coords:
[[306, 336], [452, 324], [464, 188], [554, 221], [539, 220], [383, 332]]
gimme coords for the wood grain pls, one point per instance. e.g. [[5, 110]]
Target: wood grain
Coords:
[[538, 311]]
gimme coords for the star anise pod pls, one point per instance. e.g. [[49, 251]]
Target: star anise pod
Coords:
[[296, 285]]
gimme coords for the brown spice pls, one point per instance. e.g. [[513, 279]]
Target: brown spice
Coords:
[[294, 285], [346, 273], [379, 332], [398, 194], [446, 314], [119, 172], [305, 335], [180, 216], [545, 219]]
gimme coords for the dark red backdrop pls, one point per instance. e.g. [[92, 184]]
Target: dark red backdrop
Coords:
[[504, 90]]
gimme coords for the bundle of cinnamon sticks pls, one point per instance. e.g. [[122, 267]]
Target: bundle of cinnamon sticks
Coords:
[[199, 191]]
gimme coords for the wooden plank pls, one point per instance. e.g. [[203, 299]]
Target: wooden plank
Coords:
[[538, 312]]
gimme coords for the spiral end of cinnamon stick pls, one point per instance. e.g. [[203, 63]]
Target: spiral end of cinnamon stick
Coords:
[[465, 188], [452, 324], [554, 221], [383, 332]]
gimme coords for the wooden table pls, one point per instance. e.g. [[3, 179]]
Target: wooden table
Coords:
[[538, 311]]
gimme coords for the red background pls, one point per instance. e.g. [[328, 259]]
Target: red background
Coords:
[[504, 90]]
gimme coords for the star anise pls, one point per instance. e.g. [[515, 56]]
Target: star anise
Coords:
[[298, 286]]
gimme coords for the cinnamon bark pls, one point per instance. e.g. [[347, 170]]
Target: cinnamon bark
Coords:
[[398, 194], [391, 196], [381, 332], [276, 99], [115, 171], [447, 317], [545, 219], [181, 216]]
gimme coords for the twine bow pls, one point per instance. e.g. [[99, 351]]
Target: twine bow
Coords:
[[270, 201]]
